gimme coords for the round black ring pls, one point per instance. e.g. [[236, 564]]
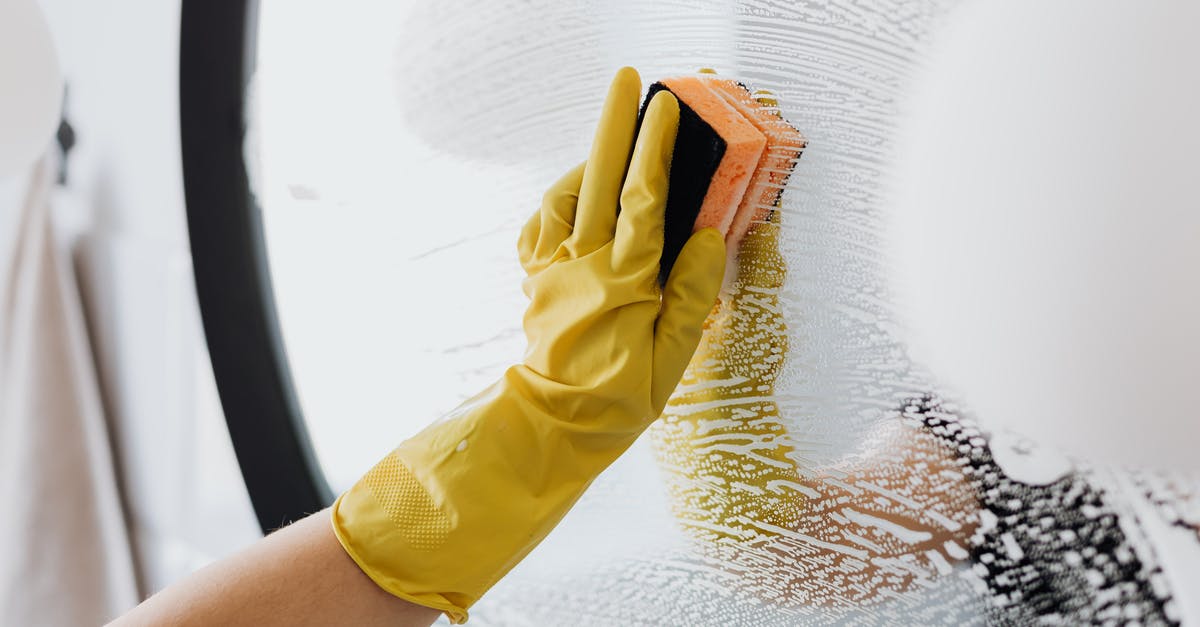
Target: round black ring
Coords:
[[233, 282]]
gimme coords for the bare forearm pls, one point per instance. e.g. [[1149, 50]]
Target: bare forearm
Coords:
[[299, 575]]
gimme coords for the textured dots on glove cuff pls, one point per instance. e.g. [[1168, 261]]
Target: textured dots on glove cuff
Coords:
[[407, 504]]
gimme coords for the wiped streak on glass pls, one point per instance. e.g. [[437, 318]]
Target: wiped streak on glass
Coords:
[[806, 472]]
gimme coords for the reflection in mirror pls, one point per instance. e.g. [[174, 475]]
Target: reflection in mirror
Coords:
[[806, 470]]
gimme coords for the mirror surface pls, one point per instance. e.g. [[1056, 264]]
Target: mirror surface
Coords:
[[397, 149]]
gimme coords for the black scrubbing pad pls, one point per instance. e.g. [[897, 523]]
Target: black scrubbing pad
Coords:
[[698, 152]]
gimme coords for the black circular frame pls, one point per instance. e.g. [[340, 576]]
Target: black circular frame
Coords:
[[233, 282]]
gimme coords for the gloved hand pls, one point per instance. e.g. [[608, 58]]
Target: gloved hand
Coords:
[[450, 511]]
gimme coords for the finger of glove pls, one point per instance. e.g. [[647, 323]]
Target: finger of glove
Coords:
[[688, 297], [557, 216], [596, 215], [639, 237]]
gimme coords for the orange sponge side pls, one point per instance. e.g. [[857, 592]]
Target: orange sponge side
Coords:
[[783, 148], [744, 148]]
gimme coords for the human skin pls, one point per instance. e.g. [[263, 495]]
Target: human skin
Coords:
[[299, 575]]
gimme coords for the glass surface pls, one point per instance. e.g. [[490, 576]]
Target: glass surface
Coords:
[[399, 147]]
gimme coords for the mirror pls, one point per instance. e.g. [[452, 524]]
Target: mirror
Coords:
[[810, 472]]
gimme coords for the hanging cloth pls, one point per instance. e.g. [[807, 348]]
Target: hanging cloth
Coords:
[[65, 555]]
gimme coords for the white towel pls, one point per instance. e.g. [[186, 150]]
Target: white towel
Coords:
[[65, 554]]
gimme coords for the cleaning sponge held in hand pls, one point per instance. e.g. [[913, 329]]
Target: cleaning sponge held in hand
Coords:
[[733, 154]]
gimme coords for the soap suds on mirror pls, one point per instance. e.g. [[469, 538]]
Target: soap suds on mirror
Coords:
[[809, 473]]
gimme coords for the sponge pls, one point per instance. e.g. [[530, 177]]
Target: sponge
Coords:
[[698, 152], [733, 154], [784, 145]]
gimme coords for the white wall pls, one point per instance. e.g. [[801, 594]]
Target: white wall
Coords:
[[1046, 221], [184, 495]]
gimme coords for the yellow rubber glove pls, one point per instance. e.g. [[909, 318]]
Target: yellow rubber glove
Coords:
[[450, 511]]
